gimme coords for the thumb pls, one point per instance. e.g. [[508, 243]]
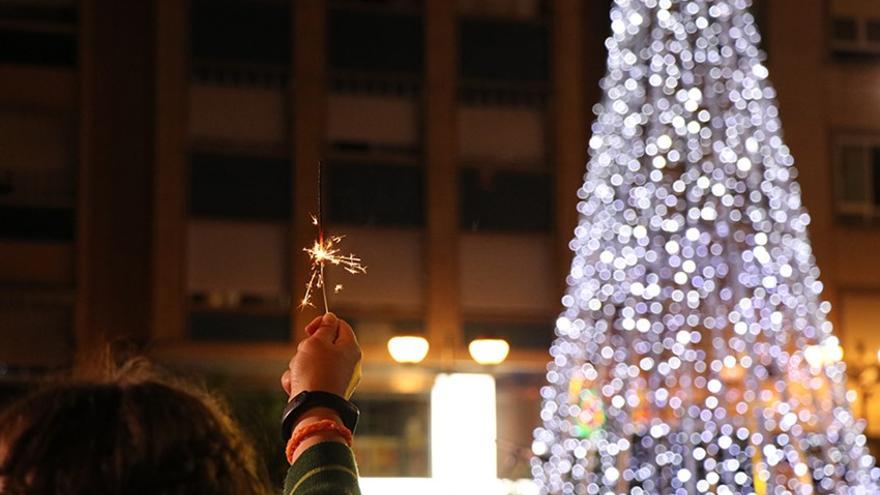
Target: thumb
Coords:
[[328, 328]]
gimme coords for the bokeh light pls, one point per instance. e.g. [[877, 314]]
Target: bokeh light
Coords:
[[694, 298]]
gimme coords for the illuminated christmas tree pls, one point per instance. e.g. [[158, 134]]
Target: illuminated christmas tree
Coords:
[[693, 354]]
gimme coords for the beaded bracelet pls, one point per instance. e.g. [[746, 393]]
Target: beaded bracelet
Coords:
[[300, 433]]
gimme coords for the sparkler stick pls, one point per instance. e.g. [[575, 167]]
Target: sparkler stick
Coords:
[[325, 250]]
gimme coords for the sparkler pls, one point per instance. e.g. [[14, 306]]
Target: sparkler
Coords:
[[326, 250]]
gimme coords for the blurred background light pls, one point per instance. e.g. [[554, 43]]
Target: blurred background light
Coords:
[[489, 351], [408, 348]]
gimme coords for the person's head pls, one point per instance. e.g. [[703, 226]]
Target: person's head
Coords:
[[131, 433]]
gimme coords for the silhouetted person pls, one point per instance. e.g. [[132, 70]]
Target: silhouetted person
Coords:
[[134, 432]]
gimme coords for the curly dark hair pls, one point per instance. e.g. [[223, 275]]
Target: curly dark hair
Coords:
[[132, 432]]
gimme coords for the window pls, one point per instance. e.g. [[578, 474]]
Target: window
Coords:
[[39, 34], [857, 164], [36, 223], [243, 32], [855, 36], [237, 186], [844, 29], [505, 200], [872, 31], [238, 326], [34, 48], [503, 51], [375, 194], [374, 40]]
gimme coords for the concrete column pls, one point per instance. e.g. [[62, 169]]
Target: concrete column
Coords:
[[569, 137], [169, 197], [443, 312], [116, 165], [309, 97]]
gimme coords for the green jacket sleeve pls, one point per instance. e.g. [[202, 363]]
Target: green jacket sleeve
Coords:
[[326, 468]]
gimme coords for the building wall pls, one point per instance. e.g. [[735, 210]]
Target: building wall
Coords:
[[828, 94]]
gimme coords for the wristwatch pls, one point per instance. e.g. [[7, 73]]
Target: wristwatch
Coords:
[[306, 400]]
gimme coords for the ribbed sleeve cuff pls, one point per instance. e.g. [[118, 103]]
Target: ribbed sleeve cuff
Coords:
[[324, 468]]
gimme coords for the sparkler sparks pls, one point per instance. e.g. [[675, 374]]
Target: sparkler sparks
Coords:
[[325, 250]]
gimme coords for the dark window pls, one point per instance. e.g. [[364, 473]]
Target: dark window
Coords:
[[505, 200], [873, 30], [376, 41], [517, 334], [393, 435], [32, 48], [245, 187], [48, 12], [504, 51], [858, 182], [36, 223], [238, 31], [844, 29], [854, 187], [374, 194], [239, 327]]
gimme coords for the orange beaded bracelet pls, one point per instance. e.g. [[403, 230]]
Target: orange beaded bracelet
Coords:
[[300, 433]]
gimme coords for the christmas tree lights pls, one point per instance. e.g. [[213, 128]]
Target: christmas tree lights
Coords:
[[681, 362]]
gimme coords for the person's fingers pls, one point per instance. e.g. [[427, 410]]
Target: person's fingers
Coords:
[[327, 330], [346, 334], [313, 325], [285, 381]]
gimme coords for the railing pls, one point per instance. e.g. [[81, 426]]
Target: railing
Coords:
[[242, 74], [497, 93], [381, 84]]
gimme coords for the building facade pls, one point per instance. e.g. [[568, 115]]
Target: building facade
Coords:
[[161, 163]]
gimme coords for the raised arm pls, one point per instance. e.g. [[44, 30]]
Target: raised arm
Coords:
[[319, 420]]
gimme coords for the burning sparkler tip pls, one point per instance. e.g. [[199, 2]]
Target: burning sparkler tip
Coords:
[[325, 250]]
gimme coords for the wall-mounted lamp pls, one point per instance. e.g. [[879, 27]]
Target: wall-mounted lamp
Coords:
[[489, 351], [408, 349]]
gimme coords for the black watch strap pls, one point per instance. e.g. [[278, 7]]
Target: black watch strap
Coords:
[[306, 400]]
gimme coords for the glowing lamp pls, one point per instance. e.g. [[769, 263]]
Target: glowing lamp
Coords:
[[489, 351], [819, 356], [408, 349]]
